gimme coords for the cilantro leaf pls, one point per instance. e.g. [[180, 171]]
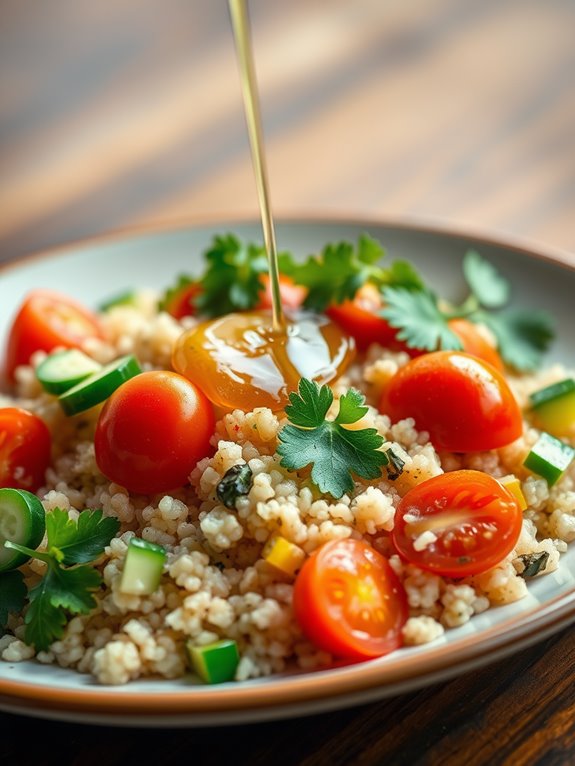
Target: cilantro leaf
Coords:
[[44, 622], [419, 320], [488, 286], [334, 452], [522, 336], [71, 589], [232, 280], [403, 274], [12, 595], [338, 271], [79, 541]]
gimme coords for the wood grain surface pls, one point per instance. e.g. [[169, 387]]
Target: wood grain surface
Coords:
[[122, 113]]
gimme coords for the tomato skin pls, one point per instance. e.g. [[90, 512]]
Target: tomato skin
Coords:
[[181, 303], [292, 295], [152, 431], [482, 518], [474, 343], [464, 403], [360, 319], [25, 448], [45, 321], [335, 578]]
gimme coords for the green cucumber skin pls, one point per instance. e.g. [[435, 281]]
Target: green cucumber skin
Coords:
[[99, 386], [31, 506], [143, 568], [58, 383], [552, 393], [549, 458], [214, 663]]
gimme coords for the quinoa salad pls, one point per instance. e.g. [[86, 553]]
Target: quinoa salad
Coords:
[[232, 547]]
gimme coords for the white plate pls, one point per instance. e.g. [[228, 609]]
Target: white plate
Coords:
[[97, 270]]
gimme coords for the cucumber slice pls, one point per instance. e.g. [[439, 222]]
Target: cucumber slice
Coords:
[[64, 369], [554, 407], [127, 298], [143, 568], [549, 458], [214, 663], [22, 521], [99, 386]]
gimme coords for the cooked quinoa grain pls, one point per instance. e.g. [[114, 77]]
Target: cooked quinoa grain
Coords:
[[216, 583]]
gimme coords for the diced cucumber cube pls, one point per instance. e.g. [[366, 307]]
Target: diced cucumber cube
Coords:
[[554, 407], [214, 663], [143, 568], [550, 458]]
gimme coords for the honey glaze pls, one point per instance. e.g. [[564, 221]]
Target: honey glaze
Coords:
[[239, 360], [255, 359]]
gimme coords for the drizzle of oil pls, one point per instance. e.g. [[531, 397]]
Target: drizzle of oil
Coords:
[[254, 359], [240, 361]]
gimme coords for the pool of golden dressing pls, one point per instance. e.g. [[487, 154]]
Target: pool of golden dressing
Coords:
[[255, 359]]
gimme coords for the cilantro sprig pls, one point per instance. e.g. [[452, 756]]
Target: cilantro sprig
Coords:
[[422, 320], [69, 583], [334, 451], [13, 595]]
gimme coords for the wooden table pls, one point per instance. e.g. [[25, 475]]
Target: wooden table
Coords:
[[118, 114]]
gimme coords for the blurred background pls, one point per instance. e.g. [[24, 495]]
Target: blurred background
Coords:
[[115, 114]]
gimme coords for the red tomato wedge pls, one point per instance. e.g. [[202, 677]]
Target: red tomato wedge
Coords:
[[46, 320], [25, 446], [349, 602], [464, 403], [457, 524], [152, 431], [361, 319]]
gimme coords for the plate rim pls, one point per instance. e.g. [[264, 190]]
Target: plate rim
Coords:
[[336, 683]]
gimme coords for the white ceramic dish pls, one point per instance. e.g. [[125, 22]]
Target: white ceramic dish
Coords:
[[97, 270]]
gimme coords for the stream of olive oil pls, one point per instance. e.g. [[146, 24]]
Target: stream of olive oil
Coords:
[[241, 28]]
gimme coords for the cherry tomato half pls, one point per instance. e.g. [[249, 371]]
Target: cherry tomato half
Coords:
[[361, 319], [474, 342], [292, 295], [457, 524], [349, 602], [464, 403], [152, 431], [45, 321], [25, 446]]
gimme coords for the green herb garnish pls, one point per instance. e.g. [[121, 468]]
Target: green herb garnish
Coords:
[[236, 482], [12, 595], [69, 583], [533, 563], [335, 452]]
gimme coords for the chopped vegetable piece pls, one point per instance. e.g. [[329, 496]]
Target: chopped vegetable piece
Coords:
[[531, 564], [99, 386], [179, 300], [152, 431], [283, 555], [457, 524], [513, 484], [126, 298], [214, 663], [348, 600], [143, 568], [550, 458], [25, 449], [334, 451], [467, 406], [64, 369], [22, 520], [236, 482], [45, 321], [554, 407]]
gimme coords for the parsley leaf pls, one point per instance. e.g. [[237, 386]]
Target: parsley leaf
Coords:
[[232, 280], [12, 595], [522, 336], [79, 541], [418, 318], [236, 482], [337, 273], [69, 583], [488, 286], [334, 452]]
